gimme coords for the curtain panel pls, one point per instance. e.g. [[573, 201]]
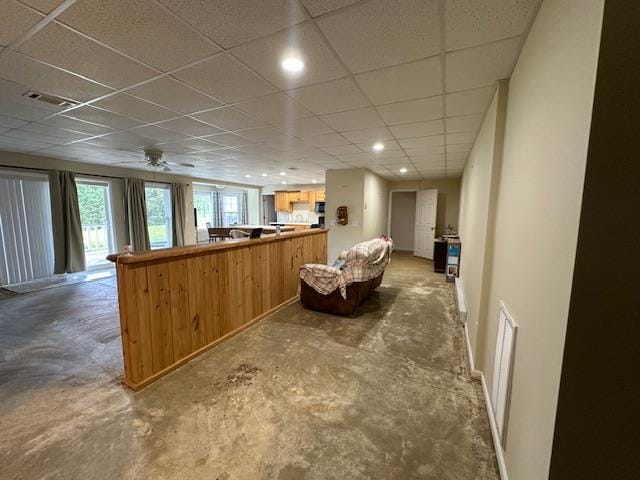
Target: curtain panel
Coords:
[[178, 208], [68, 245], [135, 210]]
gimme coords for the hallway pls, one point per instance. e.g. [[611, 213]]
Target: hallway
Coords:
[[301, 395]]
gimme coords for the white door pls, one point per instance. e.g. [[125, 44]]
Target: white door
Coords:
[[426, 207]]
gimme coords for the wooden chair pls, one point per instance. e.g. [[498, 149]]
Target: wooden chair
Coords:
[[218, 234], [239, 234]]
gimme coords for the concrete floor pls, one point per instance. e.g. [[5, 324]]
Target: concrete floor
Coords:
[[301, 395]]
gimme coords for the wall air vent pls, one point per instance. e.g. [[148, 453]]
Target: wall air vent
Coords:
[[50, 99]]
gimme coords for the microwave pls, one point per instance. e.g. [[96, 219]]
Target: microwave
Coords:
[[319, 207]]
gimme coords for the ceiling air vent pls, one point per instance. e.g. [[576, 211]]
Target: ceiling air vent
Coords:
[[50, 99]]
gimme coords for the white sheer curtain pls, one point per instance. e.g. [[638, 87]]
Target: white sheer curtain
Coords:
[[26, 238]]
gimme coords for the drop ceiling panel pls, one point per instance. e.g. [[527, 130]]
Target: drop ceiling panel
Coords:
[[480, 66], [403, 82], [419, 142], [189, 126], [305, 127], [329, 97], [51, 131], [103, 117], [15, 21], [474, 22], [140, 29], [329, 140], [10, 122], [228, 118], [21, 111], [276, 108], [420, 129], [229, 140], [158, 133], [125, 104], [455, 138], [412, 111], [76, 125], [231, 22], [381, 33], [470, 101], [45, 6], [43, 78], [225, 78], [342, 150], [459, 148], [63, 48], [319, 7], [303, 41], [369, 135], [354, 119], [465, 123], [173, 94]]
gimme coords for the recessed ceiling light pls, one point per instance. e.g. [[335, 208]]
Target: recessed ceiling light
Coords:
[[284, 182], [378, 147], [403, 170], [283, 173], [314, 181], [292, 65], [247, 176], [264, 174]]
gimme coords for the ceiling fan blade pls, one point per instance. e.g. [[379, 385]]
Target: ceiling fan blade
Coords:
[[190, 165], [130, 163], [166, 169]]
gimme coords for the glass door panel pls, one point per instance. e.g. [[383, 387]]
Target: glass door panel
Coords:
[[97, 222], [158, 198]]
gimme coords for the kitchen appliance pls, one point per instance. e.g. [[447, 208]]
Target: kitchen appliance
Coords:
[[319, 207]]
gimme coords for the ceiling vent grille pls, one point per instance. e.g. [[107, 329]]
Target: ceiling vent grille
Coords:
[[50, 99]]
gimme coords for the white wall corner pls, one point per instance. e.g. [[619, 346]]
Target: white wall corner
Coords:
[[460, 305]]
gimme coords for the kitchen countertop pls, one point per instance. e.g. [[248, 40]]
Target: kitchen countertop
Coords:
[[290, 223]]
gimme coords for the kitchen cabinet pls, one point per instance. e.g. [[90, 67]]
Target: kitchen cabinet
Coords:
[[282, 202], [285, 200], [320, 196], [312, 201]]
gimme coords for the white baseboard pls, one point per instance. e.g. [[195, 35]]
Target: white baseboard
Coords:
[[497, 445]]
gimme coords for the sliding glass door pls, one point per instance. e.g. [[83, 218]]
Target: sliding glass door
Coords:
[[158, 198], [97, 222]]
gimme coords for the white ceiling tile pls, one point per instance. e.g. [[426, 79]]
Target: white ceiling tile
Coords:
[[474, 22], [63, 48], [369, 135], [354, 119], [102, 117], [381, 33], [462, 147], [457, 156], [10, 122], [276, 108], [480, 66], [466, 137], [231, 22], [34, 137], [158, 133], [320, 7], [45, 6], [51, 131], [175, 95], [77, 125], [125, 104], [15, 21], [403, 82], [420, 129], [465, 123], [329, 140], [21, 111], [305, 127], [303, 41], [410, 143], [329, 97], [229, 140], [342, 150], [140, 29], [425, 151], [190, 126], [412, 111], [225, 78], [43, 78], [228, 118], [470, 101]]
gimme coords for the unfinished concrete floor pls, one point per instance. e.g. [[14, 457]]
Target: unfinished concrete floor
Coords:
[[301, 395]]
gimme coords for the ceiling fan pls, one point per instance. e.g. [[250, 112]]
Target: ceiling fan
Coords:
[[153, 158]]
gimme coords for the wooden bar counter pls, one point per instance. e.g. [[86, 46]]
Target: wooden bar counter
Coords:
[[177, 303]]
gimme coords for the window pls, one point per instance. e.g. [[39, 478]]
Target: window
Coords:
[[230, 211], [94, 200], [203, 203], [158, 199]]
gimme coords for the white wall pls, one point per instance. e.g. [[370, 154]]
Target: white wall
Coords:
[[14, 159], [403, 219], [376, 206], [344, 187], [537, 210], [448, 198]]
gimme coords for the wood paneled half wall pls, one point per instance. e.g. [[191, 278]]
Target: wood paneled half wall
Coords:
[[176, 303]]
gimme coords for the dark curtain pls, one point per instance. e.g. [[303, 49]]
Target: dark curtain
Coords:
[[68, 245], [243, 208], [178, 208], [135, 210]]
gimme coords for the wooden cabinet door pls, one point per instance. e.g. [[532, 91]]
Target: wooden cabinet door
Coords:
[[312, 201], [320, 196], [282, 201], [294, 197]]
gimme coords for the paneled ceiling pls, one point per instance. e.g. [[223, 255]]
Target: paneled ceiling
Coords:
[[202, 81]]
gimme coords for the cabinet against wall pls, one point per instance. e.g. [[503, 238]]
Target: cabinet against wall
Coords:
[[284, 200], [320, 196]]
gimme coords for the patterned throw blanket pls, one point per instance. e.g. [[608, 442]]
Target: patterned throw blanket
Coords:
[[362, 262]]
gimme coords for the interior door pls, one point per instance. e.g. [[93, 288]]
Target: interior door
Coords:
[[425, 228]]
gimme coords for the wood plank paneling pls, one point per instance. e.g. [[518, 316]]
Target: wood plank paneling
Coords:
[[175, 307]]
